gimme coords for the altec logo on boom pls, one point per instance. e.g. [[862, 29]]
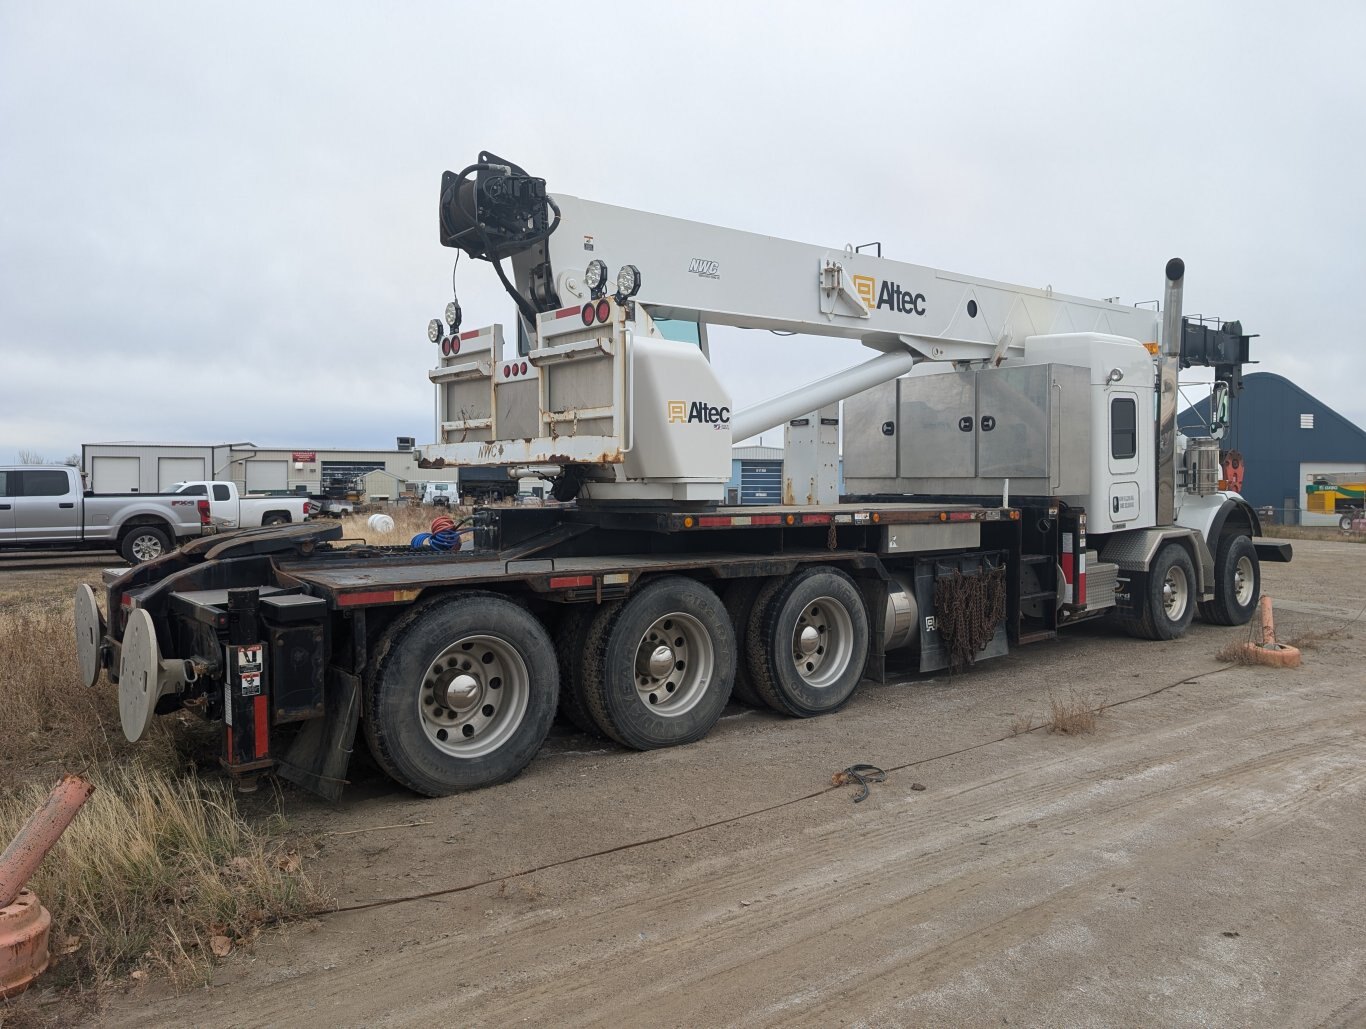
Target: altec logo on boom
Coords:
[[698, 411], [891, 296]]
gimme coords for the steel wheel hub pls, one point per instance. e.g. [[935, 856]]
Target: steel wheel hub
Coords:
[[822, 642], [1242, 582], [674, 662], [474, 695], [1174, 589]]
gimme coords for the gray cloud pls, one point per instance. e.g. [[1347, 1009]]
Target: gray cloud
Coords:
[[219, 223]]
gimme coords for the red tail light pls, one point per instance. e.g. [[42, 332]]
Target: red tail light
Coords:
[[588, 313], [203, 506], [446, 347], [604, 310]]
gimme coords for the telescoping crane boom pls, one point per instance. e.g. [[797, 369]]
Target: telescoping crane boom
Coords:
[[1030, 480]]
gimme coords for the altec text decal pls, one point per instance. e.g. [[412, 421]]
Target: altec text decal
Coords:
[[698, 411], [889, 296]]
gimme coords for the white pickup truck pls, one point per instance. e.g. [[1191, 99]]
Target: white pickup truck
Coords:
[[48, 508], [229, 509]]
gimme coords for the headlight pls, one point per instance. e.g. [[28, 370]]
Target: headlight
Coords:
[[434, 330], [595, 276], [628, 281], [452, 316]]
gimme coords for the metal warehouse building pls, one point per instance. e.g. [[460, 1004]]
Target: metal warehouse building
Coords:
[[132, 467], [1286, 438]]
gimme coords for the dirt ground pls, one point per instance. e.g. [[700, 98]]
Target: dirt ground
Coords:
[[1198, 860]]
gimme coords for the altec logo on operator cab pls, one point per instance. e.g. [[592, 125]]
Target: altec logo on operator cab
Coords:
[[700, 412], [889, 296]]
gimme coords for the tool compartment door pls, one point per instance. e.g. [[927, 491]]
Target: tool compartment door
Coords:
[[1013, 422], [937, 426]]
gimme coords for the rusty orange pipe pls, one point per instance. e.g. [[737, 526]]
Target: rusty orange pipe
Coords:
[[1268, 624], [27, 850]]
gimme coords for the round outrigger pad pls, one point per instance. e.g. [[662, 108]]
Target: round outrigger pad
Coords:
[[139, 675], [89, 633]]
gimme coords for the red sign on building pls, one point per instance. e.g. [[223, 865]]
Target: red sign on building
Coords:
[[305, 456]]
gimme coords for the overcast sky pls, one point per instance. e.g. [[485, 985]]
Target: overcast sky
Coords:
[[219, 223]]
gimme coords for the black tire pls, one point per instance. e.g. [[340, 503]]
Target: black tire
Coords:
[[1345, 522], [645, 706], [1160, 620], [820, 608], [144, 543], [404, 722], [739, 596], [1237, 573], [570, 643], [275, 519]]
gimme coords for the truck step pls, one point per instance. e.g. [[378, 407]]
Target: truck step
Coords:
[[1037, 637], [1041, 595], [1036, 559]]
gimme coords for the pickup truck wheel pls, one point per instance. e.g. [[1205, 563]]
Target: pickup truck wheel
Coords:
[[1237, 583], [658, 667], [1169, 599], [808, 653], [144, 543], [275, 519], [463, 696]]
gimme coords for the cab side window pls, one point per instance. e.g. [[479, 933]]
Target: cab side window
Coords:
[[43, 483], [220, 492], [1123, 427], [5, 478]]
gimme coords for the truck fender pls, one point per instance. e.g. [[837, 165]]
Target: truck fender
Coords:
[[1237, 509], [1133, 551]]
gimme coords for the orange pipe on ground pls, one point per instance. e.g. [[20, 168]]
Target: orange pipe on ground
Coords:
[[1268, 624], [27, 850]]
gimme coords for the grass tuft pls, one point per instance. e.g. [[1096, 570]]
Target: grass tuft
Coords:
[[1073, 714], [158, 872]]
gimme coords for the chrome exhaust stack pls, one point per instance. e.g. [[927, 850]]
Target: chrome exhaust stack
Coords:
[[1168, 364]]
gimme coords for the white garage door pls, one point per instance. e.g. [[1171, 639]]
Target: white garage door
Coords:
[[1309, 469], [267, 475], [115, 474], [171, 470]]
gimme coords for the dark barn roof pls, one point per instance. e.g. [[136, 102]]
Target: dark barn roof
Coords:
[[1266, 430]]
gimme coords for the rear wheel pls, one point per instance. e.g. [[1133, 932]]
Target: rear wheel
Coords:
[[657, 667], [739, 597], [570, 643], [811, 643], [1169, 600], [275, 519], [144, 543], [1237, 583], [463, 695]]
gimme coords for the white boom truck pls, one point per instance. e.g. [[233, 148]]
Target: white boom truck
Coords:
[[1035, 483]]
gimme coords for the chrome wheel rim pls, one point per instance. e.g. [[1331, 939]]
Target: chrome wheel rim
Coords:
[[474, 696], [674, 662], [1242, 581], [146, 547], [822, 642], [1175, 592]]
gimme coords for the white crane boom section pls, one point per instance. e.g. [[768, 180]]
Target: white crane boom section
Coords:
[[722, 276]]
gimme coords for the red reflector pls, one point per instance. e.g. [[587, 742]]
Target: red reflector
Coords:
[[588, 314], [507, 370], [474, 332], [960, 516], [515, 369], [446, 347], [766, 520], [816, 519], [125, 601], [561, 582], [565, 312], [604, 310], [523, 367], [713, 520]]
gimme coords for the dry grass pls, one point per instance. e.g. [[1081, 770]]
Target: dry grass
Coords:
[[160, 873], [158, 863], [1313, 532], [50, 716], [1071, 715]]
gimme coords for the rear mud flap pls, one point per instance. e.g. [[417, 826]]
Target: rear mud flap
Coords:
[[321, 753]]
